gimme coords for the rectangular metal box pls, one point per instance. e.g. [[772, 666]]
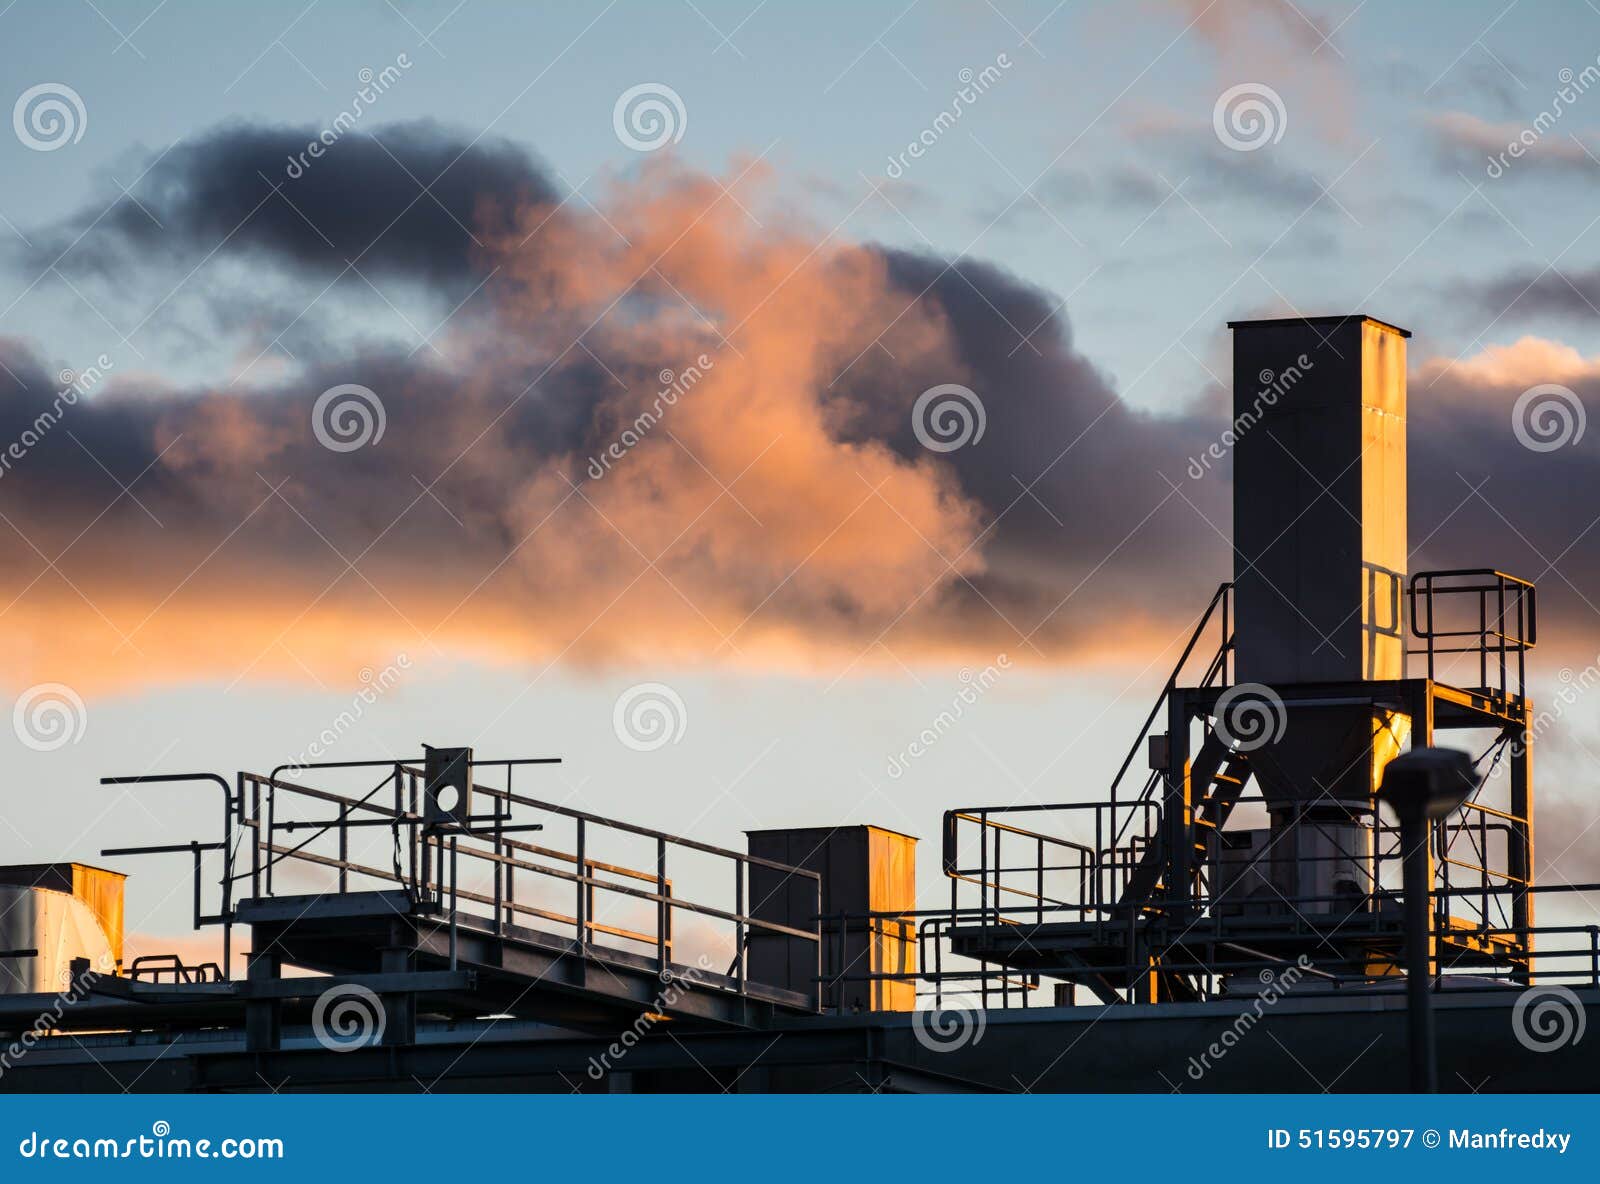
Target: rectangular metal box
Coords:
[[864, 869], [1319, 518]]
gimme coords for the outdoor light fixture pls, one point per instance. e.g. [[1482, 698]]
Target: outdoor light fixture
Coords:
[[1421, 786], [1428, 783]]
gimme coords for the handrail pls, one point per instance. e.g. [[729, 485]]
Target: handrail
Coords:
[[256, 804], [1579, 965], [1515, 606], [1112, 828], [434, 874], [229, 807], [1220, 597]]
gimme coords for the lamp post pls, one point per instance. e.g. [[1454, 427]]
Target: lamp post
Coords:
[[1421, 786]]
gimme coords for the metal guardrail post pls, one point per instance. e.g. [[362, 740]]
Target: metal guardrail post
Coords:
[[738, 926], [453, 903], [344, 850], [661, 905], [818, 887], [581, 912]]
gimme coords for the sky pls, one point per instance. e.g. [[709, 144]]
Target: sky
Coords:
[[350, 459]]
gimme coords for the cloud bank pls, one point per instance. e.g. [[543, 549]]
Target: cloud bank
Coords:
[[669, 421]]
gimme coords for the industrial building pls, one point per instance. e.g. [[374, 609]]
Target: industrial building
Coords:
[[1225, 916]]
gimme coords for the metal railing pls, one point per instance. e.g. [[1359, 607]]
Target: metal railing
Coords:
[[1047, 877], [440, 866], [1220, 609], [1559, 954], [170, 968], [1500, 632], [1123, 830], [1091, 872]]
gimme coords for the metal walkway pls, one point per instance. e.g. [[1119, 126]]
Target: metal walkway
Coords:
[[436, 903]]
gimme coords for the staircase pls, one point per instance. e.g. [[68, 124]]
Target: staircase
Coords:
[[1024, 923], [1217, 775]]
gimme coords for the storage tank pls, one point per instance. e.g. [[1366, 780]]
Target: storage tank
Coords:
[[64, 911]]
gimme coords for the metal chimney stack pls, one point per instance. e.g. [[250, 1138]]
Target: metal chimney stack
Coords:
[[1319, 530]]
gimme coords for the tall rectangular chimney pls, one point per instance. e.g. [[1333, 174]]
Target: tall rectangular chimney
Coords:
[[1319, 500]]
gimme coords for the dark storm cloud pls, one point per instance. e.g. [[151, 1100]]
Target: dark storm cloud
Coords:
[[1482, 497], [1567, 293], [784, 503], [1079, 484], [406, 200]]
